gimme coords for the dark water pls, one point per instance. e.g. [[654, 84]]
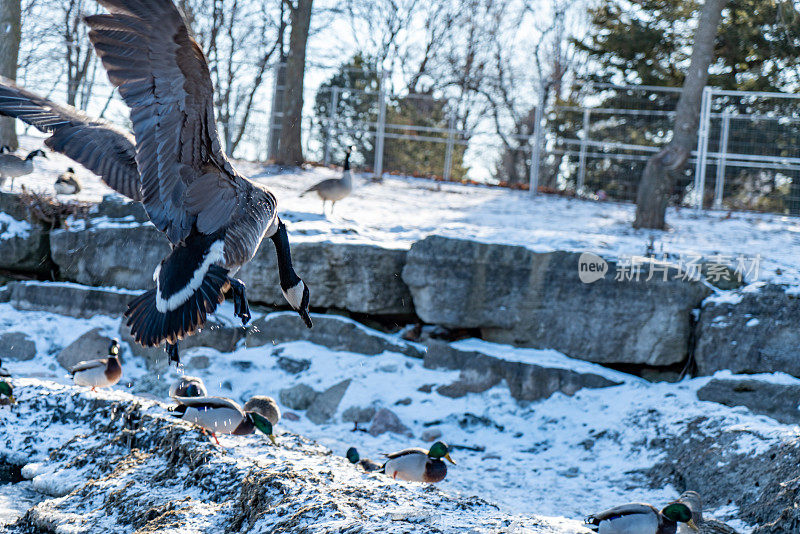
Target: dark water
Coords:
[[16, 494]]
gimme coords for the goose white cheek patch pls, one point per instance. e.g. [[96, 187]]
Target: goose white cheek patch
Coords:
[[294, 295]]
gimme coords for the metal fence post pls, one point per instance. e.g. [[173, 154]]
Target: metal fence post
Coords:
[[329, 127], [584, 147], [703, 132], [381, 128], [451, 139], [719, 185], [537, 146]]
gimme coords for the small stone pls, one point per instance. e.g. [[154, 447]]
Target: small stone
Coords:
[[403, 402], [431, 434], [227, 385], [293, 366], [387, 421], [199, 362], [17, 346], [290, 416], [426, 388], [297, 397]]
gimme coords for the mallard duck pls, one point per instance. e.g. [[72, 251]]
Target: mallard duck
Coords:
[[7, 391], [67, 183], [3, 372], [638, 518], [188, 386], [12, 166], [334, 189], [418, 465], [264, 406], [100, 373], [220, 415], [693, 500], [366, 464]]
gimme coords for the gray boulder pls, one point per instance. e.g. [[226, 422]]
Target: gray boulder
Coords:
[[67, 299], [355, 277], [17, 346], [526, 381], [357, 414], [757, 334], [23, 244], [115, 206], [533, 299], [324, 406], [387, 421], [89, 346], [332, 331], [120, 256], [779, 401], [298, 397]]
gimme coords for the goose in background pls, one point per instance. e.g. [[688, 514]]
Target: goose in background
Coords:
[[12, 166], [693, 500], [364, 463], [188, 386], [220, 415], [214, 218], [334, 189], [419, 465], [638, 518], [101, 373], [67, 183]]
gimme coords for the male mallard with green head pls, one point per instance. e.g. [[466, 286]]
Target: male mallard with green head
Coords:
[[6, 393], [638, 518], [418, 465], [188, 386], [219, 415], [100, 373], [365, 463], [693, 500]]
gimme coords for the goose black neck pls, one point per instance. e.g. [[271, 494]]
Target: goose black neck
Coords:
[[31, 155], [286, 272], [347, 161]]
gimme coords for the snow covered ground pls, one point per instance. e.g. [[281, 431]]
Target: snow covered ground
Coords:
[[563, 457], [400, 210]]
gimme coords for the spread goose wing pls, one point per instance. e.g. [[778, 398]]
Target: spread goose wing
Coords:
[[88, 364], [97, 145], [163, 76]]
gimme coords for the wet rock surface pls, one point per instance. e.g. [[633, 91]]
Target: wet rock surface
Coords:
[[67, 299], [779, 401], [17, 346], [524, 298], [128, 466]]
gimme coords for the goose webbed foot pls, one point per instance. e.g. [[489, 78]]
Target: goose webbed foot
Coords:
[[241, 308], [172, 351]]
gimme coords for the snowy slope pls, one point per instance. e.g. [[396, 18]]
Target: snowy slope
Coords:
[[399, 211], [563, 457]]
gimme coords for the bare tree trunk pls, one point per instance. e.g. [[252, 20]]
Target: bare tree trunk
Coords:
[[658, 178], [290, 150], [10, 28]]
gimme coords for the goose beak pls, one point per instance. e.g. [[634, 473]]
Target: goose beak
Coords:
[[691, 524], [306, 319], [272, 439], [449, 459]]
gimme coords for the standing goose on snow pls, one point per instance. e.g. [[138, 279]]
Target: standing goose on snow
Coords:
[[214, 217], [419, 465], [100, 373], [188, 386], [219, 415], [693, 500], [637, 518], [365, 463], [67, 183], [12, 166], [335, 189]]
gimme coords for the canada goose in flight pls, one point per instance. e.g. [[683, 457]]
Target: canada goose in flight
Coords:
[[334, 189], [67, 183], [12, 166], [214, 217]]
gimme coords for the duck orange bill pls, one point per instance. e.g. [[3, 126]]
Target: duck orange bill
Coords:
[[449, 459], [691, 524]]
